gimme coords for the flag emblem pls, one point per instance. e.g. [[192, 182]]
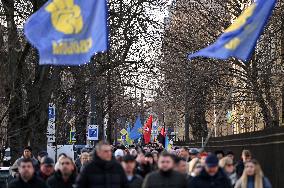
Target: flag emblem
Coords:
[[65, 16]]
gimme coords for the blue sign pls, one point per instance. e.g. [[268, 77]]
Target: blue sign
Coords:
[[93, 132], [123, 137], [51, 112]]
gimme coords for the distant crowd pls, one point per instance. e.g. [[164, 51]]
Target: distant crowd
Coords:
[[138, 167]]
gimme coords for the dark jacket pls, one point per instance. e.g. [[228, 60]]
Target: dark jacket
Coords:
[[35, 182], [56, 181], [42, 176], [102, 174], [159, 179], [204, 180], [143, 169], [240, 168], [135, 182]]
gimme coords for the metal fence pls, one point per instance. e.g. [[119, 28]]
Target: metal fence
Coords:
[[267, 147]]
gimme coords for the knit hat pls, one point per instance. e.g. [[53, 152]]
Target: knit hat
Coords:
[[211, 161], [47, 161]]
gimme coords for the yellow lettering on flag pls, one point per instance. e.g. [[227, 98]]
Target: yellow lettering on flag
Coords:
[[71, 47]]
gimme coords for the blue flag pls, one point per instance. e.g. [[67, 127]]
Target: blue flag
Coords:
[[136, 131], [68, 32], [240, 39]]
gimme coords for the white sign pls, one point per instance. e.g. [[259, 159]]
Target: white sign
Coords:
[[93, 132], [50, 138]]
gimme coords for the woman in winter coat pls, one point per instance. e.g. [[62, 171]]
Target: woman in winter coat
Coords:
[[253, 177], [228, 166]]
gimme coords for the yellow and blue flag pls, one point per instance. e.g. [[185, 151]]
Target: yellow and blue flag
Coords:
[[128, 139], [69, 32], [137, 130], [240, 39]]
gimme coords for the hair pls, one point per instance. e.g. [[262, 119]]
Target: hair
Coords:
[[72, 162], [203, 154], [185, 148], [225, 161], [62, 154], [219, 152], [166, 154], [84, 154], [258, 177], [25, 160], [178, 159], [193, 164], [100, 144], [246, 153]]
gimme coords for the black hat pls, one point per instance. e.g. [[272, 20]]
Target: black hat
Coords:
[[211, 160], [28, 148], [47, 161], [128, 158]]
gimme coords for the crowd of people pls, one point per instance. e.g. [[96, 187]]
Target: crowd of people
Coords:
[[138, 167]]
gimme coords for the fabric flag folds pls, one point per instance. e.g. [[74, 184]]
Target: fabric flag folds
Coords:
[[68, 32], [240, 39], [147, 130], [136, 131], [128, 139], [162, 136]]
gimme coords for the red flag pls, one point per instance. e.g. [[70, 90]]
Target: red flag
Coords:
[[162, 136], [148, 129]]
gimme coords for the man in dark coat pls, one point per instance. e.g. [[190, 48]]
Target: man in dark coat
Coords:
[[66, 175], [211, 176], [128, 164], [46, 168], [165, 177], [103, 171], [27, 178]]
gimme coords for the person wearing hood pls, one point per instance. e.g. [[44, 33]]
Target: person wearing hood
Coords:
[[66, 175], [166, 176], [27, 154], [104, 171], [211, 176]]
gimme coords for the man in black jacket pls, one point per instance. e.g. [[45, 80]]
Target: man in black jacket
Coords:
[[103, 171], [27, 178], [128, 164], [165, 177], [66, 175], [211, 176]]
